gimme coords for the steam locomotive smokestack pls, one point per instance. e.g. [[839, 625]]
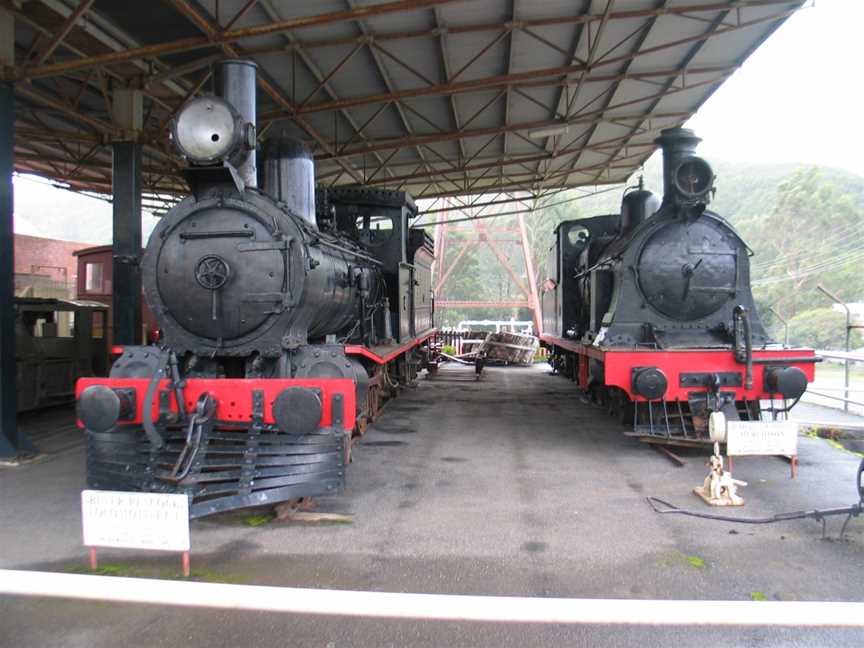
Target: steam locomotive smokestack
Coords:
[[235, 81], [677, 144], [289, 175]]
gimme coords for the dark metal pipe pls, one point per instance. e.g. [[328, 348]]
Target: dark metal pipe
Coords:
[[126, 189], [677, 144], [289, 176], [235, 81], [806, 360], [12, 440]]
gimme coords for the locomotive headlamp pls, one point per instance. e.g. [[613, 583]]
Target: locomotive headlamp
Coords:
[[693, 178], [209, 130], [789, 382]]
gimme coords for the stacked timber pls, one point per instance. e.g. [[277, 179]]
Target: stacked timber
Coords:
[[509, 348]]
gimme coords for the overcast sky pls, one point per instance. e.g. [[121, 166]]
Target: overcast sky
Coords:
[[799, 98]]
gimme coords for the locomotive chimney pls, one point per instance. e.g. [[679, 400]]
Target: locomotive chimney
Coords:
[[677, 144], [235, 82], [289, 175]]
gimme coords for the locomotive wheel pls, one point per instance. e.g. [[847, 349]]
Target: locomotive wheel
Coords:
[[350, 440], [622, 407]]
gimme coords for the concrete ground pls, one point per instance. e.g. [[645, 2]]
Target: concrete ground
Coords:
[[512, 486]]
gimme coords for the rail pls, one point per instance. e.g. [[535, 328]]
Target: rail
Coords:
[[847, 358], [440, 607]]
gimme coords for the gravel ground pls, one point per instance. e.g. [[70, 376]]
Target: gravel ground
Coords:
[[508, 486]]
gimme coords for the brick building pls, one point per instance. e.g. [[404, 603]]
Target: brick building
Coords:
[[45, 267]]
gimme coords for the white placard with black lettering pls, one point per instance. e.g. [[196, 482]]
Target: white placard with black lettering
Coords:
[[158, 521], [761, 438]]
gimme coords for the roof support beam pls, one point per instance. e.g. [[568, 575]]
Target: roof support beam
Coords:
[[516, 80], [445, 66], [526, 78], [323, 82], [505, 162], [625, 68], [385, 79], [79, 11], [712, 28], [204, 25], [481, 132], [225, 37]]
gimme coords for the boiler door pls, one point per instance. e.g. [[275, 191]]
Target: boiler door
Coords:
[[688, 270], [220, 273]]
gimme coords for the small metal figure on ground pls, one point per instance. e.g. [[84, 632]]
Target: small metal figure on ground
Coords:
[[719, 488]]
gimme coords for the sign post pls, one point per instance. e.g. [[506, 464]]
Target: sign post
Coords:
[[150, 521], [779, 438]]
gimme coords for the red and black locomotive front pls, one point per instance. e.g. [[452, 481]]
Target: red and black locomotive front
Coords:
[[250, 398], [652, 310]]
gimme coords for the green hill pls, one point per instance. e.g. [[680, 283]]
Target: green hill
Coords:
[[804, 224]]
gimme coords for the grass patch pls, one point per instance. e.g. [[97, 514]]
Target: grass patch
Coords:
[[758, 596], [123, 570], [676, 557], [258, 520], [835, 437]]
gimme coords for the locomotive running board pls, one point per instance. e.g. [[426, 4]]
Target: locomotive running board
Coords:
[[384, 354]]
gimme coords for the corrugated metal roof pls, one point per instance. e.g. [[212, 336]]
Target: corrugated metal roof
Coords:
[[436, 97]]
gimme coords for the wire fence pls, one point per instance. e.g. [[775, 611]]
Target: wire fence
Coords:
[[843, 396]]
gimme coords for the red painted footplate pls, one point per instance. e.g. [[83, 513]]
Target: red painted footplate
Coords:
[[234, 396], [618, 365]]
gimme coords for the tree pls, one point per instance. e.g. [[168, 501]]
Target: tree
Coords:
[[821, 328], [812, 236]]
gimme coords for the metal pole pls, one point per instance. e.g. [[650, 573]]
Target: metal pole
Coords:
[[533, 298], [837, 300], [235, 81], [126, 179], [13, 441], [785, 325], [847, 364]]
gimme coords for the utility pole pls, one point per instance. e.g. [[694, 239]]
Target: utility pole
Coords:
[[837, 300], [785, 325]]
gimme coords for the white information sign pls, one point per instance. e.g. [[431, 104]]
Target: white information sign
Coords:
[[761, 438], [158, 521]]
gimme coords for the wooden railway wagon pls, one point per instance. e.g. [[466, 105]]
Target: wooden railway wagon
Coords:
[[57, 342]]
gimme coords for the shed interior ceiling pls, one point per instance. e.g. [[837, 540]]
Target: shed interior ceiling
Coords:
[[435, 97]]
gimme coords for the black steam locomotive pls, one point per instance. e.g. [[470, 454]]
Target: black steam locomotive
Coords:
[[651, 311], [287, 316]]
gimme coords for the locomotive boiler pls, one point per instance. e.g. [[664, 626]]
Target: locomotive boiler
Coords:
[[651, 310], [286, 316]]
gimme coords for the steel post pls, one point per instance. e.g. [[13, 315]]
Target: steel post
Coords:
[[126, 187], [533, 297], [848, 363], [13, 442], [845, 306]]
